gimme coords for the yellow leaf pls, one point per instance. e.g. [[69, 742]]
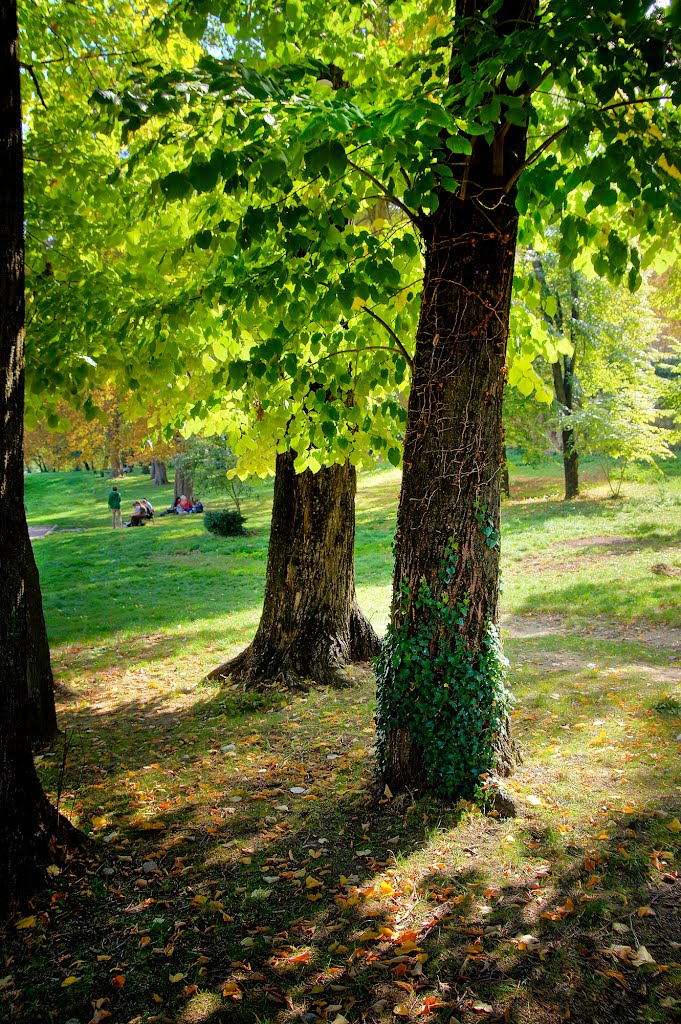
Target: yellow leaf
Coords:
[[53, 870], [99, 821], [156, 997], [674, 825], [671, 169], [402, 1009], [358, 303], [387, 793], [27, 922], [174, 978], [645, 911], [69, 981], [408, 946], [599, 740], [312, 883], [230, 989]]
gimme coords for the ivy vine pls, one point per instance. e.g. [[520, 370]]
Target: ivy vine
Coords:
[[452, 701]]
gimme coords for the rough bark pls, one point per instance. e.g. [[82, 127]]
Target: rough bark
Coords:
[[158, 473], [183, 483], [311, 624], [454, 437], [42, 712], [28, 821]]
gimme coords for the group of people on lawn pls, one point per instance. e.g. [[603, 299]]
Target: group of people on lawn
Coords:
[[143, 510]]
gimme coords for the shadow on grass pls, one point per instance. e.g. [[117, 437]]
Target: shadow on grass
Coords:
[[262, 904]]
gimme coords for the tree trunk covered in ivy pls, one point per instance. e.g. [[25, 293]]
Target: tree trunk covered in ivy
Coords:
[[311, 624], [27, 819], [42, 712], [442, 705]]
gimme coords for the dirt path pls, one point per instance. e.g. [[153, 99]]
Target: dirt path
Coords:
[[36, 532], [530, 626]]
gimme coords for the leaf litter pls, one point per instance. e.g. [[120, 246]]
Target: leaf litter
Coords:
[[345, 901]]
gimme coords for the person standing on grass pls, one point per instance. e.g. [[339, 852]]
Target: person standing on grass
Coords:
[[115, 506]]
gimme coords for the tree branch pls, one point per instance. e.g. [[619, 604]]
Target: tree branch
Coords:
[[561, 131], [396, 202], [408, 359], [29, 68]]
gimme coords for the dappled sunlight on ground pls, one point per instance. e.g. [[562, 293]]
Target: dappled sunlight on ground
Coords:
[[245, 865]]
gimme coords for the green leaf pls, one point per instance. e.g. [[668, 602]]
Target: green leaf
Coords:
[[203, 174], [459, 144], [176, 185]]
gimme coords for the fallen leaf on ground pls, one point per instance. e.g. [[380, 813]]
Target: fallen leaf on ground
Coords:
[[230, 990], [642, 956]]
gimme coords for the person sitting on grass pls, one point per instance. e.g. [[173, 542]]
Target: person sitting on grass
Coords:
[[143, 512], [172, 510], [197, 505], [183, 504], [148, 508]]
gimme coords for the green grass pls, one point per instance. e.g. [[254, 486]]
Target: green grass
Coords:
[[198, 779]]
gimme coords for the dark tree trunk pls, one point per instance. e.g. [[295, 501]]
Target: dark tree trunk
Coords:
[[158, 473], [28, 821], [311, 624], [183, 483], [570, 465], [41, 712], [442, 717]]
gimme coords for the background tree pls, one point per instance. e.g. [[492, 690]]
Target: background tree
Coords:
[[604, 369]]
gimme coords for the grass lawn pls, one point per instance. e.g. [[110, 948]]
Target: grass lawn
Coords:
[[240, 869]]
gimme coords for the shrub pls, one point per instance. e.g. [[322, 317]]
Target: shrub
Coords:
[[226, 523]]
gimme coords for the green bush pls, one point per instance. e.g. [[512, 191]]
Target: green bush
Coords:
[[226, 523]]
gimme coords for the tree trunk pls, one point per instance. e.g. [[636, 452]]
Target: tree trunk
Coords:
[[41, 712], [442, 706], [311, 624], [570, 465], [183, 483], [158, 473], [28, 821]]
